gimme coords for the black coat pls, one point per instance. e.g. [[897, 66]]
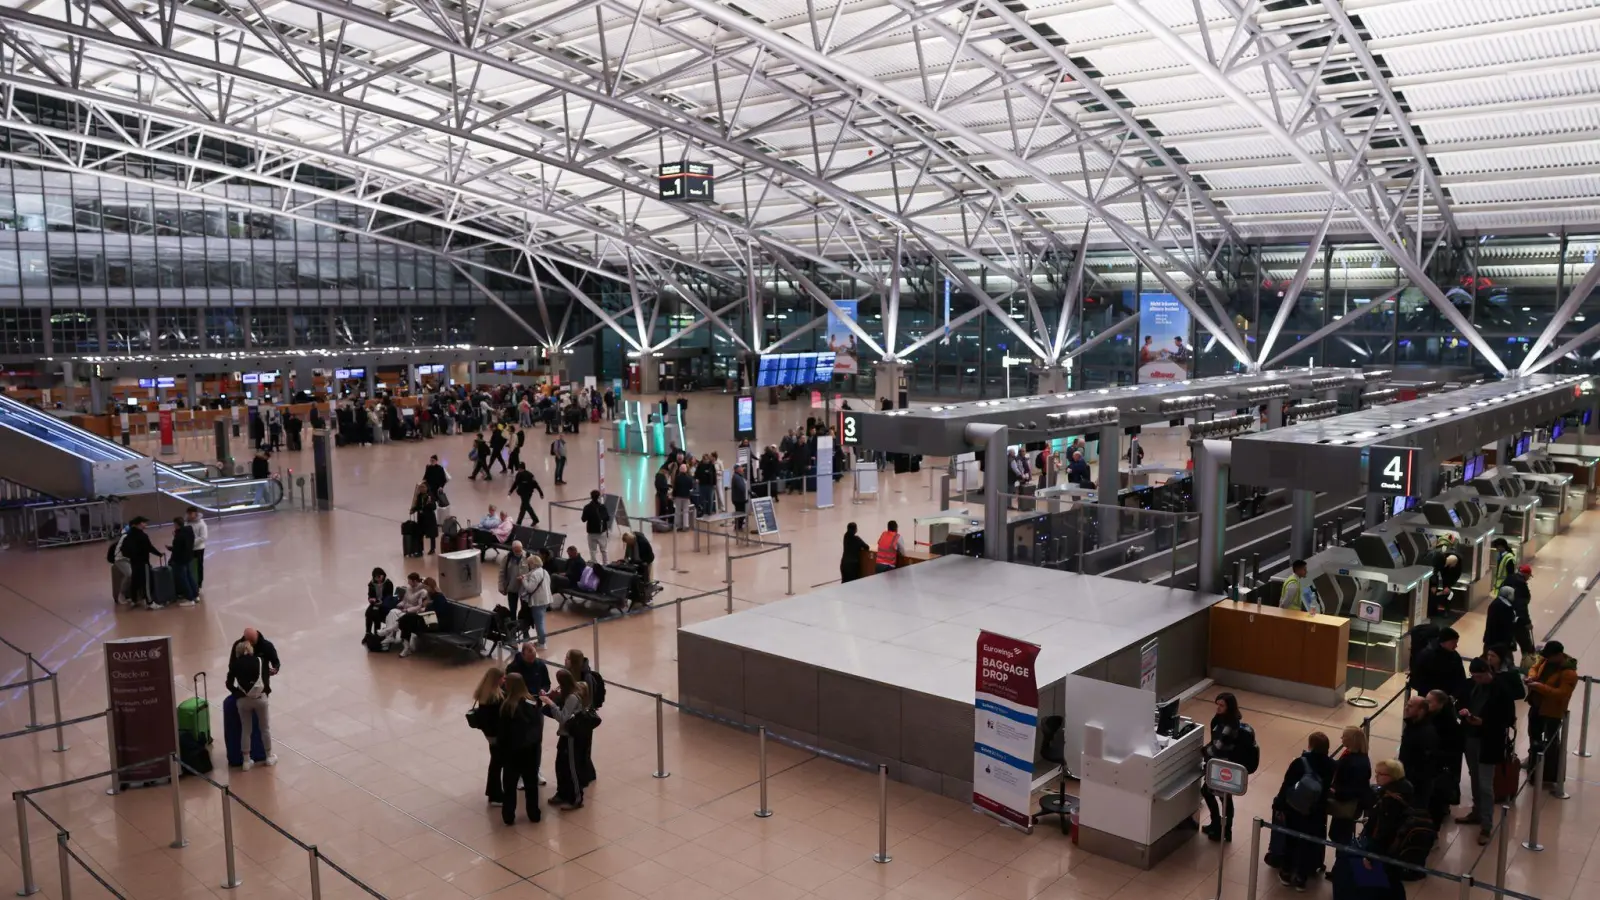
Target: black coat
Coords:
[[1500, 623], [850, 561], [1497, 714], [1420, 753], [1439, 669], [683, 485], [535, 674]]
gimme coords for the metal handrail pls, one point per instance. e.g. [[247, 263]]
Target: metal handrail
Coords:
[[28, 682]]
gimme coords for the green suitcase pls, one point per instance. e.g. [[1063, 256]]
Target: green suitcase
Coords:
[[194, 714]]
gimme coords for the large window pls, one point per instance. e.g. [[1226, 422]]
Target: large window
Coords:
[[224, 329], [176, 329], [74, 331], [310, 327], [388, 327], [426, 326], [269, 328], [21, 331], [127, 330]]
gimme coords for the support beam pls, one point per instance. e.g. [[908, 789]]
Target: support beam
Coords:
[[821, 297], [1104, 336], [1579, 293], [1402, 256], [1341, 322], [544, 340], [1296, 285]]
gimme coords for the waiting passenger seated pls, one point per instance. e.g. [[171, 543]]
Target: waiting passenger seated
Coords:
[[564, 574], [490, 520], [412, 600]]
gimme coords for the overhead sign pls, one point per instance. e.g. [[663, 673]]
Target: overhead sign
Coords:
[[144, 714], [1392, 471], [842, 340], [849, 429], [766, 516], [1006, 716], [689, 182], [1225, 777]]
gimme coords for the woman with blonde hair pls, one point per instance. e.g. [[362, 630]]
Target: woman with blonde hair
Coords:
[[594, 697], [1348, 793], [534, 586], [485, 717], [521, 735]]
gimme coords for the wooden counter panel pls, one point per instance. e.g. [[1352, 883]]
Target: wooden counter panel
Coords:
[[1277, 643]]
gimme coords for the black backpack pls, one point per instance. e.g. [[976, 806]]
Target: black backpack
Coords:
[[1307, 792], [597, 690], [1247, 752], [1422, 637]]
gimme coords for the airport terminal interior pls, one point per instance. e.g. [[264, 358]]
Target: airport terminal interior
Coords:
[[946, 424]]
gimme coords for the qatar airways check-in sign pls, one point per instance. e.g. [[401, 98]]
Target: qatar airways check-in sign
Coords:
[[1006, 713], [144, 715]]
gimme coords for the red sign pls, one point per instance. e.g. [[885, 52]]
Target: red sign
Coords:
[[144, 715], [1005, 669], [166, 426]]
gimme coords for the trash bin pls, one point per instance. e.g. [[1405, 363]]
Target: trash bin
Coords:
[[459, 574]]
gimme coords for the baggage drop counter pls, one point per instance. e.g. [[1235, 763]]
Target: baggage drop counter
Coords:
[[883, 669]]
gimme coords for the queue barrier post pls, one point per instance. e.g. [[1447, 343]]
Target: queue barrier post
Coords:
[[232, 880], [1559, 790], [1537, 778], [175, 771], [594, 658], [29, 888], [1255, 854], [1583, 724], [761, 756], [1503, 851], [55, 702], [882, 856], [661, 738], [64, 857], [33, 706], [316, 872]]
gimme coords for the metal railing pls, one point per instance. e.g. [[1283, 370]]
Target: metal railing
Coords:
[[30, 682], [25, 799]]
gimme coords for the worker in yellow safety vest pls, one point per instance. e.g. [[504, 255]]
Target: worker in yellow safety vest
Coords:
[[890, 547], [1505, 562], [1298, 594]]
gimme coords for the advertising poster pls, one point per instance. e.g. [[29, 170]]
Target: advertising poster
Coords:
[[824, 472], [1164, 351], [123, 478], [1006, 713], [144, 714], [842, 341]]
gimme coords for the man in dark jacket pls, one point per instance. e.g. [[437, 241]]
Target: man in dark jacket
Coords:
[[136, 548], [1452, 744], [596, 522], [682, 495], [267, 653], [1488, 714], [739, 496], [524, 485], [534, 671], [181, 560], [705, 485], [1078, 471], [497, 446], [1420, 750], [480, 459], [1522, 599], [636, 547], [1439, 667]]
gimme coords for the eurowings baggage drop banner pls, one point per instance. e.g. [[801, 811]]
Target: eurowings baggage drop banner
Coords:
[[1006, 713]]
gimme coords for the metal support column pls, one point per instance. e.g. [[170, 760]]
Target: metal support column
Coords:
[[1212, 462], [1302, 520], [991, 440]]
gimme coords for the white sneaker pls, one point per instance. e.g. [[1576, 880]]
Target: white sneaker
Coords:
[[271, 760], [542, 782], [185, 602], [248, 764], [405, 651]]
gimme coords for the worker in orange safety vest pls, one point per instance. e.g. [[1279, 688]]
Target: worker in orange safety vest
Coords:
[[890, 547]]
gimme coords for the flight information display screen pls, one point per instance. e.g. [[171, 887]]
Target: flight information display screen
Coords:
[[786, 369]]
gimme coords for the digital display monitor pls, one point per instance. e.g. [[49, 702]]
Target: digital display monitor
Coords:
[[166, 381], [1557, 427], [744, 418], [251, 378], [147, 382], [1394, 552], [358, 373], [431, 369], [268, 377], [1455, 518], [505, 365], [341, 373], [794, 369], [1399, 505], [1586, 414]]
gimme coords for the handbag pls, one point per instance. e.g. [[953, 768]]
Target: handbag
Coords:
[[1344, 809], [259, 689], [430, 619]]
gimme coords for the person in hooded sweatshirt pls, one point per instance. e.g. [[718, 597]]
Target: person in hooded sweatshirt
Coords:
[[1500, 620], [1303, 802]]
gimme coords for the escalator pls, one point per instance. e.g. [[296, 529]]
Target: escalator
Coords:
[[59, 459]]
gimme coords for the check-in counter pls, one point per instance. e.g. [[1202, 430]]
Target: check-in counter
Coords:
[[1270, 650], [1583, 470], [1131, 807]]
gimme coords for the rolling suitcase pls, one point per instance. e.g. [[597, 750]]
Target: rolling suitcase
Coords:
[[231, 725], [410, 538], [163, 589], [194, 728]]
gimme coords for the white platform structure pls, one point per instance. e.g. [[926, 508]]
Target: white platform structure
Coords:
[[883, 669]]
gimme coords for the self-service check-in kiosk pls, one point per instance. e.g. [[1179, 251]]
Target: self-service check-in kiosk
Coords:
[[1557, 506], [1386, 569], [1503, 492]]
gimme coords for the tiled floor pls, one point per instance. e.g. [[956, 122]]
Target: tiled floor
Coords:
[[380, 772]]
